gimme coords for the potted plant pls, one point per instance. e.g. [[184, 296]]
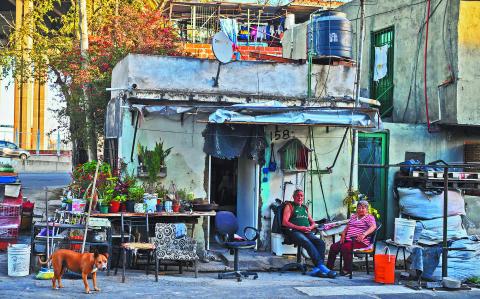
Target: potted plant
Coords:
[[136, 193], [115, 203], [153, 161], [104, 205]]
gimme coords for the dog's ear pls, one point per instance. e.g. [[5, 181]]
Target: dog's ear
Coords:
[[106, 254]]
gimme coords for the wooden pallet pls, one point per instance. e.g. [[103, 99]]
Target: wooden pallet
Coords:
[[438, 175]]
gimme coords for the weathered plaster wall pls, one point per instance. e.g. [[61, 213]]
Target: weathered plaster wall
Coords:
[[447, 146], [334, 184], [240, 78], [468, 105], [407, 17], [186, 162]]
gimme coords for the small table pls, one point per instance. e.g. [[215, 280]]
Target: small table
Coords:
[[165, 217], [399, 246]]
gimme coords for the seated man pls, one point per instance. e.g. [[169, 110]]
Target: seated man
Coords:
[[360, 225], [299, 226]]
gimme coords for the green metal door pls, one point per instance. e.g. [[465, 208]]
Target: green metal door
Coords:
[[382, 90], [373, 149]]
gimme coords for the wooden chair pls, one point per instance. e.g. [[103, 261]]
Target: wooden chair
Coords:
[[136, 246]]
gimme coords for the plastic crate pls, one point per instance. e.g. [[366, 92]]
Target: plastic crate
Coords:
[[8, 233], [4, 243], [10, 210]]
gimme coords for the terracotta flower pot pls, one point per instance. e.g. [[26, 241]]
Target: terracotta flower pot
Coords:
[[114, 206]]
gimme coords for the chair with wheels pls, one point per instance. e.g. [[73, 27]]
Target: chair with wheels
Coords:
[[368, 251], [300, 263], [226, 225]]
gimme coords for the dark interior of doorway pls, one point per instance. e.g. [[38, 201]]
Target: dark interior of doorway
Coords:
[[223, 187]]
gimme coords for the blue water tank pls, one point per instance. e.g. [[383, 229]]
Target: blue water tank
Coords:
[[330, 34]]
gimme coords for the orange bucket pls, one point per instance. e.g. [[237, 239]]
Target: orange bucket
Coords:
[[385, 267]]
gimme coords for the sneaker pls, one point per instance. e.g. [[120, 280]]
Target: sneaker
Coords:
[[315, 271], [332, 274]]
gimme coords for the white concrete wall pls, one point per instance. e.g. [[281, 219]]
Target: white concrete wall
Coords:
[[335, 184], [185, 76], [186, 162]]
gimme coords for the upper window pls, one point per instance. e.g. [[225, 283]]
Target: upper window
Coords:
[[381, 69]]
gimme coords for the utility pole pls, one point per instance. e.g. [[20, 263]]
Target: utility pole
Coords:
[[83, 28], [357, 90]]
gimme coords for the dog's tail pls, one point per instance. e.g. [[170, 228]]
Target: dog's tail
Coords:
[[46, 262]]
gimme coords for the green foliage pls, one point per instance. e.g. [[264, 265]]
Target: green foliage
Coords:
[[154, 159], [135, 193], [83, 176], [474, 280], [352, 199], [46, 42]]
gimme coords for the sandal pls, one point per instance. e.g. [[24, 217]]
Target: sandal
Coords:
[[343, 273]]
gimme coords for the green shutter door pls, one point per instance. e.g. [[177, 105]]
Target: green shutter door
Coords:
[[382, 90]]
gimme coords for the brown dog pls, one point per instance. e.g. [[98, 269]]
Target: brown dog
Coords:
[[84, 263]]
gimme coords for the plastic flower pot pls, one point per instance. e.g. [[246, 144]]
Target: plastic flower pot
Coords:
[[114, 206], [103, 209], [176, 207], [130, 204], [139, 207]]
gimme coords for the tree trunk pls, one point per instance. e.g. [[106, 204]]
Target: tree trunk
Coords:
[[91, 142]]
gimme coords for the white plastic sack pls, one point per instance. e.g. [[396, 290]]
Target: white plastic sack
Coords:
[[416, 203], [462, 264], [432, 230]]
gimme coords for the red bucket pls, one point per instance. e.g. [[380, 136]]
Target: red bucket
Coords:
[[385, 267]]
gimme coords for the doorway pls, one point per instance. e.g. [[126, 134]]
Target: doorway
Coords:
[[234, 186], [373, 149]]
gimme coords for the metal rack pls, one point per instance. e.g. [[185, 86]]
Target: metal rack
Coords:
[[444, 184]]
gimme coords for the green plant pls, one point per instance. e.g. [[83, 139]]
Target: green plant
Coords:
[[474, 280], [153, 160], [161, 191], [181, 194], [135, 193], [351, 200], [190, 196]]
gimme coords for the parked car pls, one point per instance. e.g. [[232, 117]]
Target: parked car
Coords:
[[11, 150]]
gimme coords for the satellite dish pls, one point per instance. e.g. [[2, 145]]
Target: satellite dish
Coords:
[[222, 47]]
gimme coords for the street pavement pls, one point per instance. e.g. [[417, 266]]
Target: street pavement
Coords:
[[174, 285]]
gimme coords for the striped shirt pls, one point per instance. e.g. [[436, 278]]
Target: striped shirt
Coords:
[[359, 226]]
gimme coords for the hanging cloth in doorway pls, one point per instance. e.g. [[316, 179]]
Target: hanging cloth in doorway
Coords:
[[380, 70], [234, 141]]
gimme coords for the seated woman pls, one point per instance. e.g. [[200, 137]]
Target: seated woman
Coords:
[[354, 235], [299, 226]]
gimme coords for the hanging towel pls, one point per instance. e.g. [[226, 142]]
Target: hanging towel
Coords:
[[230, 28], [180, 230], [380, 70], [261, 32]]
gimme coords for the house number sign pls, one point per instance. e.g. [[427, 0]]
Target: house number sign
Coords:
[[281, 134]]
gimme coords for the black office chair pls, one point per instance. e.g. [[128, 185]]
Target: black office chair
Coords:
[[300, 263], [367, 252], [226, 225]]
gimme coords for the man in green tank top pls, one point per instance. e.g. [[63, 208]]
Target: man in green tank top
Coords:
[[299, 226]]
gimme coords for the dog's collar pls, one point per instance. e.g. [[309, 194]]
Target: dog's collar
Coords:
[[94, 269]]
